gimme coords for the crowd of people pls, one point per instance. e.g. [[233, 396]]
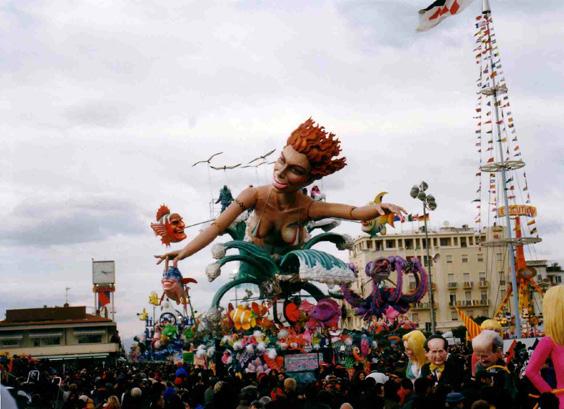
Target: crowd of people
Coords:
[[458, 376]]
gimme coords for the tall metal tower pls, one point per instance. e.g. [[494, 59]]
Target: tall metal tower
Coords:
[[502, 197]]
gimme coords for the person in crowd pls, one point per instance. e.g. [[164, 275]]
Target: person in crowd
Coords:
[[112, 403], [405, 391]]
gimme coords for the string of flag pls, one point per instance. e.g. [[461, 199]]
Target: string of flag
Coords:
[[495, 133]]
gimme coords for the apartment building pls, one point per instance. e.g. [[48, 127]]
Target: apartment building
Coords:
[[465, 274]]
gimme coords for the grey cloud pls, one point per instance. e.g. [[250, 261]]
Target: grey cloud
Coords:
[[104, 114], [55, 222]]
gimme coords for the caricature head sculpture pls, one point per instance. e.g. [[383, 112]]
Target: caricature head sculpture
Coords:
[[414, 345], [171, 279], [170, 226], [552, 311], [320, 148]]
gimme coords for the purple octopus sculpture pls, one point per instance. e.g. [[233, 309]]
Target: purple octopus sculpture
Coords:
[[384, 301]]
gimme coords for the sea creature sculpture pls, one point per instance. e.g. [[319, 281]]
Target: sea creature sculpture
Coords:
[[243, 317], [384, 301], [170, 226], [326, 313], [175, 286], [378, 225]]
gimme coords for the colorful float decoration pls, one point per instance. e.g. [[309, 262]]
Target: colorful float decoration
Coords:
[[384, 301]]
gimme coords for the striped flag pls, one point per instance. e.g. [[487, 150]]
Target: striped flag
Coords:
[[472, 328], [437, 11]]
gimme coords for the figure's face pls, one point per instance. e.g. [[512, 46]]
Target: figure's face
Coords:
[[437, 353], [175, 228], [169, 284], [486, 357], [291, 171], [408, 351]]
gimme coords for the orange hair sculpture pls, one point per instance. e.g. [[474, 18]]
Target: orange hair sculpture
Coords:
[[320, 148]]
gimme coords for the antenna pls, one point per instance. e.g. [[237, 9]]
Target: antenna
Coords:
[[67, 295]]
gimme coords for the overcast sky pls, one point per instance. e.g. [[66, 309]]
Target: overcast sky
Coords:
[[106, 104]]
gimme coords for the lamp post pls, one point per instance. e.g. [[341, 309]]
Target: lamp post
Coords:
[[418, 192]]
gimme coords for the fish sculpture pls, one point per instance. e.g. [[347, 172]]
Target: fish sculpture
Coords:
[[169, 226], [378, 225], [243, 317], [175, 286]]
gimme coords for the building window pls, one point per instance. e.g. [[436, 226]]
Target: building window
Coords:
[[483, 296], [451, 277], [445, 241], [499, 257], [466, 277], [463, 242], [557, 279], [465, 258], [390, 244], [415, 317], [448, 258], [435, 242], [89, 339], [480, 258], [452, 300], [455, 241], [50, 341], [454, 315], [10, 342], [408, 244], [369, 244], [471, 240], [467, 295]]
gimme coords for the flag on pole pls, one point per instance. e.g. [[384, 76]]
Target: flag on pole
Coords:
[[472, 328], [439, 10]]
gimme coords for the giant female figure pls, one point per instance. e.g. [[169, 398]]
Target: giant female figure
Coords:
[[551, 346], [280, 210]]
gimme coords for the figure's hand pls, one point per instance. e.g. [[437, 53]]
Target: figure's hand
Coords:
[[161, 258], [392, 208]]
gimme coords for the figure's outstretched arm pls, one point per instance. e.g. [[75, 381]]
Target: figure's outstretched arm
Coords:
[[319, 210], [247, 199]]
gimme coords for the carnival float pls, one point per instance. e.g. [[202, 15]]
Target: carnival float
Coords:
[[294, 292]]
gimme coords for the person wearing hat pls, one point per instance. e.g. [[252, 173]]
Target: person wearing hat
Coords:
[[455, 400]]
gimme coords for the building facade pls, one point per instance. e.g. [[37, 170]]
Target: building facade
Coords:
[[58, 333], [465, 274]]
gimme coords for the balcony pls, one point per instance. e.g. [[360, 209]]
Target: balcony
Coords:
[[452, 286], [460, 304], [484, 284], [480, 303], [468, 284], [421, 306]]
